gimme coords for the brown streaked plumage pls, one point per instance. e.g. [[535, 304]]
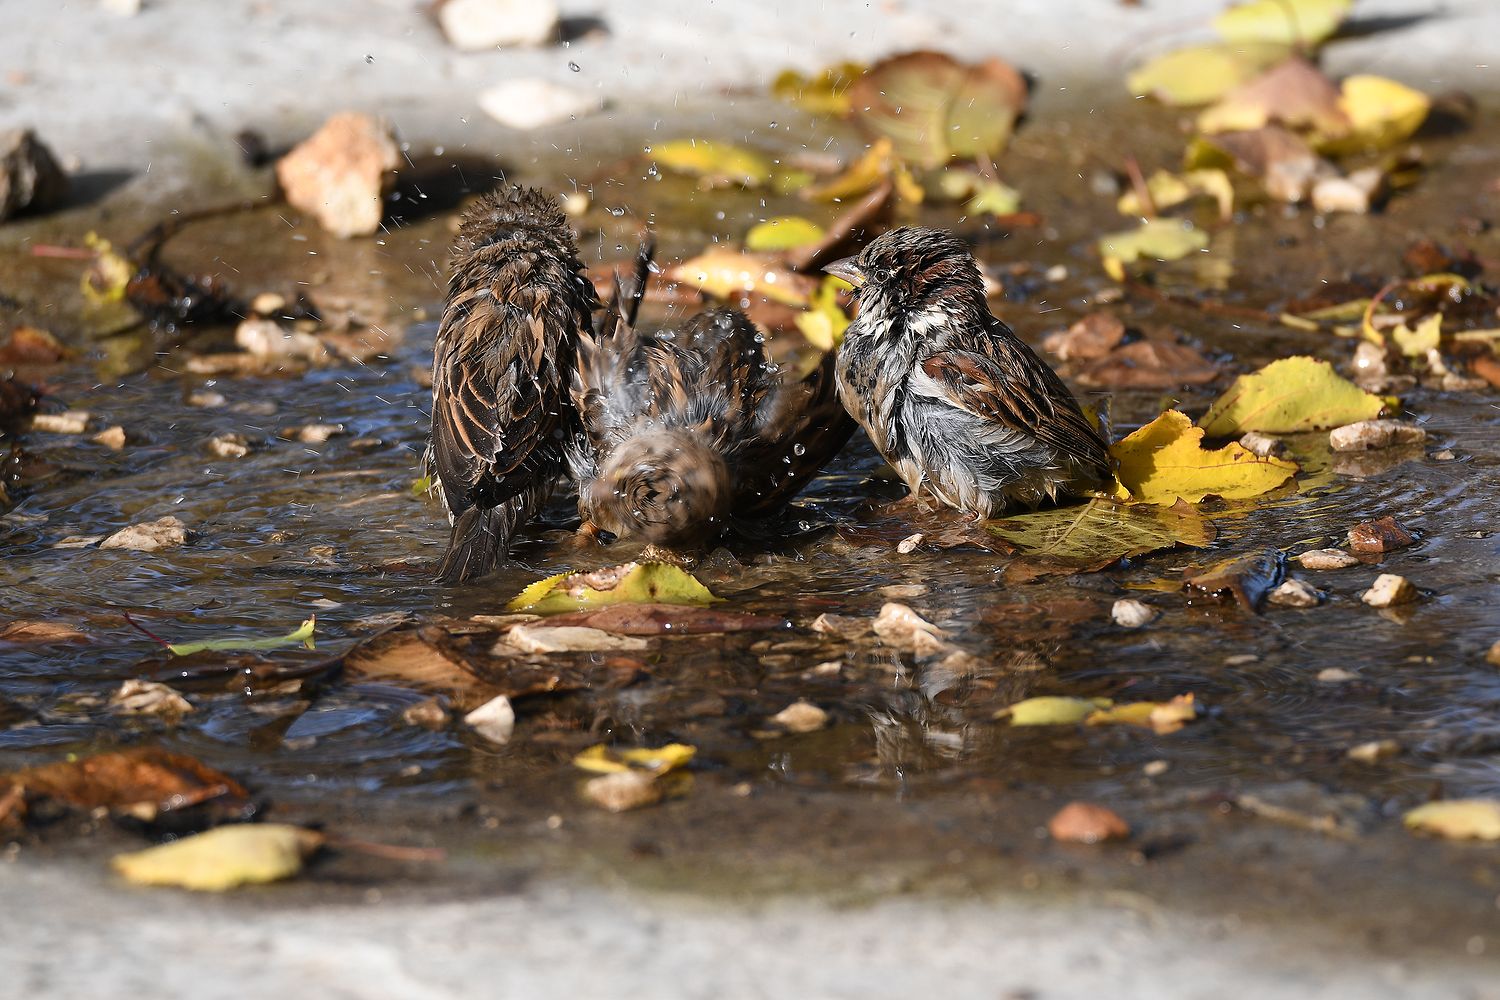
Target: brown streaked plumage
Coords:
[[958, 405], [503, 356], [689, 428]]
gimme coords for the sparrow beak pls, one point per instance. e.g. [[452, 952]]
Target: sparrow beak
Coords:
[[848, 270]]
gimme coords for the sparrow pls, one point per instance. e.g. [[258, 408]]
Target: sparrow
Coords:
[[951, 398], [516, 306], [686, 430]]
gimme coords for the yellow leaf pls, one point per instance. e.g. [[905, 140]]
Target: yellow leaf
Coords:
[[1300, 23], [878, 164], [222, 858], [1097, 533], [1052, 711], [715, 162], [784, 232], [1457, 819], [1154, 239], [1168, 190], [1202, 73], [104, 282], [1286, 396], [604, 760], [1162, 716], [632, 583], [824, 322], [981, 194], [1381, 113], [1415, 343], [729, 274], [1165, 461], [824, 94]]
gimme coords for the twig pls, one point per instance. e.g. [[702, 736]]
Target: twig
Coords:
[[1142, 189], [143, 630]]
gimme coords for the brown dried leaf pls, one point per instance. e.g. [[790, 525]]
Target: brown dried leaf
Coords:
[[1247, 577]]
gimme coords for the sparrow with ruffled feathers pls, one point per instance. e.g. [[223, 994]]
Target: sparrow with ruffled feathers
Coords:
[[502, 361], [951, 398], [688, 429]]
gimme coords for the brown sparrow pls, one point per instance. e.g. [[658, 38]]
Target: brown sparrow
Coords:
[[517, 303], [686, 429], [950, 397]]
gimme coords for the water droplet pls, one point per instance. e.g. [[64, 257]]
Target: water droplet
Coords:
[[799, 449], [575, 67]]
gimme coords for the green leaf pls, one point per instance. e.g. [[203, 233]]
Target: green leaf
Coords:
[[1202, 74], [632, 583], [933, 108], [1095, 534], [222, 858], [302, 634], [1286, 396], [715, 162], [784, 232], [1300, 23], [1165, 462]]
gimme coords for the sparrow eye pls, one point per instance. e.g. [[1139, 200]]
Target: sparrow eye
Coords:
[[882, 274]]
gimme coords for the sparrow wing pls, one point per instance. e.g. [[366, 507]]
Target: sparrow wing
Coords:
[[497, 392], [1007, 383]]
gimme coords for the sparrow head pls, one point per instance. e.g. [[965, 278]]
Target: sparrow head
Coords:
[[912, 270], [665, 487], [520, 224]]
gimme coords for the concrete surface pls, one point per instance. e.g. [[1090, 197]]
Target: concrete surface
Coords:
[[104, 88]]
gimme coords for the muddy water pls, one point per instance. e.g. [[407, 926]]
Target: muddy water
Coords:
[[913, 770]]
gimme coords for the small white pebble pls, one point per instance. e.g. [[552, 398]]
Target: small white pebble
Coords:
[[801, 717], [909, 544], [1374, 751], [1263, 445], [495, 720], [1389, 589], [1130, 613], [1296, 594], [1327, 559], [1336, 675], [1370, 434]]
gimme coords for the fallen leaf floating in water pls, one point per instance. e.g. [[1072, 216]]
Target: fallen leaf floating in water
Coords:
[[827, 93], [1457, 819], [1286, 396], [40, 633], [658, 760], [632, 583], [223, 858], [140, 783], [784, 232], [1202, 74], [1380, 114], [730, 274], [1168, 190], [1052, 710], [716, 164], [302, 634], [934, 109], [1154, 239], [1096, 534], [878, 167], [1294, 93], [1162, 717], [824, 322], [1165, 462], [1300, 23]]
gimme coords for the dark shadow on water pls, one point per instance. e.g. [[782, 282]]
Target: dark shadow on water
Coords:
[[433, 185]]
